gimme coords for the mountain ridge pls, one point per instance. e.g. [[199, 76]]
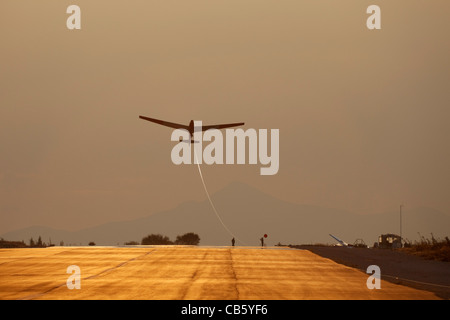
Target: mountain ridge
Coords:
[[250, 213]]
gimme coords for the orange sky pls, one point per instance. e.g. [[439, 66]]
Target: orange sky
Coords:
[[363, 115]]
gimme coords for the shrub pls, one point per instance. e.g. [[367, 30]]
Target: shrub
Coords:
[[189, 238], [156, 239]]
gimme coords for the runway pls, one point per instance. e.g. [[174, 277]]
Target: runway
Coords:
[[186, 273]]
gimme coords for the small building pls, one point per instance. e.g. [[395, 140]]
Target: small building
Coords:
[[389, 241]]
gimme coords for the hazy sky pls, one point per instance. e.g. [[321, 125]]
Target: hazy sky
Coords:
[[363, 115]]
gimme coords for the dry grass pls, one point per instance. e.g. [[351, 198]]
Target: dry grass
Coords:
[[430, 249]]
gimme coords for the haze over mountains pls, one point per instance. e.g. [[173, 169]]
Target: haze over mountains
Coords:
[[249, 214], [362, 114]]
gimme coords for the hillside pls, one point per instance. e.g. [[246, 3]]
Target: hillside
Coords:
[[248, 214]]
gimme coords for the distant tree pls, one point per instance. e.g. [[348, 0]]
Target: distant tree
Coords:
[[39, 242], [61, 243], [11, 244], [155, 239], [189, 238], [32, 243], [131, 243], [92, 243]]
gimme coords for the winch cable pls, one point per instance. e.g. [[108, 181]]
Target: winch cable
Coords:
[[212, 204]]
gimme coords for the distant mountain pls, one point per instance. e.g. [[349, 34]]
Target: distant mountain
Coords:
[[249, 214]]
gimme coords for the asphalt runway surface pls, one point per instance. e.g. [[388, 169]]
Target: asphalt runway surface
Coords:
[[396, 266], [187, 273]]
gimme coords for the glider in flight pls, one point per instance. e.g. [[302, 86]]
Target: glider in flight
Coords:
[[191, 127]]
